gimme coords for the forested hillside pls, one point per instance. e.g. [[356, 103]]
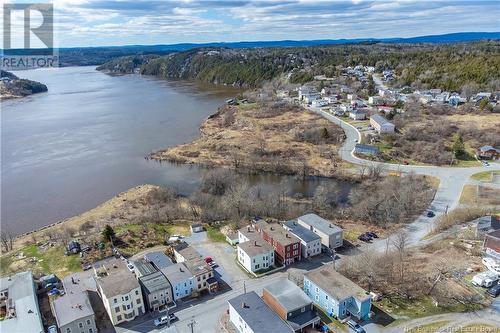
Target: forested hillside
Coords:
[[452, 67]]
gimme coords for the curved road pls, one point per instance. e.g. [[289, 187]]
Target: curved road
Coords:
[[447, 195]]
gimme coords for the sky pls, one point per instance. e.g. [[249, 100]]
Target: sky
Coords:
[[128, 22]]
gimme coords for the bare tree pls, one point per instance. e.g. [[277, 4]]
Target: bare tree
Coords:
[[400, 242], [7, 240]]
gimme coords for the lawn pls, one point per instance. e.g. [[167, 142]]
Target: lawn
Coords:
[[480, 195], [485, 176], [215, 235], [41, 260], [403, 309], [469, 195], [429, 328]]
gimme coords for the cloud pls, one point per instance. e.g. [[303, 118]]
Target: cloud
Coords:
[[107, 22]]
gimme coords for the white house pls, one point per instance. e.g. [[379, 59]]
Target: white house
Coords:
[[381, 125], [357, 115], [309, 98], [247, 233], [310, 242], [375, 100], [331, 235], [119, 290], [319, 103], [346, 107], [255, 255]]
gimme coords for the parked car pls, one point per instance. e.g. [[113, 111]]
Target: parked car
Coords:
[[170, 318], [430, 213], [494, 291], [52, 329], [208, 260], [355, 326], [485, 279], [213, 264], [372, 234], [86, 267], [364, 238], [130, 267]]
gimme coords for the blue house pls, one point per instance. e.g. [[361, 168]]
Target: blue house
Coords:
[[366, 149], [335, 294]]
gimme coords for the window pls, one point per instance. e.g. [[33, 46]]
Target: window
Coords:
[[204, 284], [198, 278], [88, 321], [68, 330], [128, 306], [138, 301], [117, 309], [119, 318], [303, 309], [126, 298], [199, 286], [80, 325], [115, 300], [90, 330], [326, 296], [137, 292], [257, 266]]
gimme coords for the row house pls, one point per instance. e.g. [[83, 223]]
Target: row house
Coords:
[[287, 247]]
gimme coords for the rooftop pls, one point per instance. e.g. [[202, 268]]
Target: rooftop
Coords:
[[288, 295], [198, 266], [257, 315], [187, 251], [335, 284], [154, 282], [488, 222], [320, 224], [379, 119], [115, 278], [142, 268], [304, 234], [249, 232], [72, 306], [255, 247], [158, 259], [177, 273], [22, 294], [278, 233]]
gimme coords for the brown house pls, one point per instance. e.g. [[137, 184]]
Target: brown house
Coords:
[[491, 244], [488, 152], [291, 304], [286, 246]]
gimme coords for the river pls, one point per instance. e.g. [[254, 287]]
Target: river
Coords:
[[84, 141]]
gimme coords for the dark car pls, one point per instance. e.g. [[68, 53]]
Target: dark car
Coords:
[[364, 238], [355, 326], [372, 234], [494, 291], [430, 213]]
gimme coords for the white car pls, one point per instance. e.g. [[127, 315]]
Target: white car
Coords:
[[170, 318], [492, 265]]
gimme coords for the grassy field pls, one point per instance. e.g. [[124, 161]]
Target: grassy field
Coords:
[[41, 260], [215, 235], [485, 176], [480, 195], [429, 328], [403, 309]]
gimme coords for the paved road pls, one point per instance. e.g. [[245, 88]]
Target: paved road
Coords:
[[447, 195]]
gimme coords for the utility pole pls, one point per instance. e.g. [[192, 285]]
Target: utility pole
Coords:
[[244, 288], [191, 325]]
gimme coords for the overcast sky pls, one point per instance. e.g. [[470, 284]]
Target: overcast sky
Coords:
[[108, 22]]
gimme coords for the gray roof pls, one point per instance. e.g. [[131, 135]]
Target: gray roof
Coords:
[[335, 284], [73, 305], [142, 268], [22, 292], [117, 279], [488, 223], [257, 315], [277, 233], [255, 247], [320, 223], [187, 251], [379, 119], [304, 234], [177, 273], [158, 259], [154, 282], [288, 295]]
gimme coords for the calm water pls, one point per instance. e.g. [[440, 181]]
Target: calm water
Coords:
[[66, 151]]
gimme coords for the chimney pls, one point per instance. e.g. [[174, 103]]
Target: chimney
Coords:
[[255, 243], [272, 228], [287, 235], [243, 305], [248, 228], [331, 225]]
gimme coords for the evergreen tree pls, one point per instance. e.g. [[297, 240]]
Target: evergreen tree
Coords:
[[108, 233], [458, 146]]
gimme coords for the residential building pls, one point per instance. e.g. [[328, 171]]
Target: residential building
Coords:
[[381, 125], [331, 235], [336, 294], [286, 246], [203, 277], [73, 311], [158, 259], [232, 238], [155, 287], [319, 102], [19, 304], [491, 245], [486, 224], [248, 233], [255, 255], [366, 149], [310, 242], [291, 304], [346, 107], [119, 290], [357, 115], [375, 100], [488, 152], [181, 280], [250, 314]]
